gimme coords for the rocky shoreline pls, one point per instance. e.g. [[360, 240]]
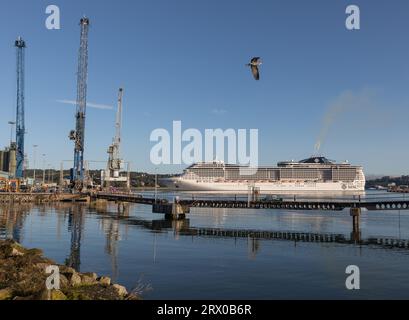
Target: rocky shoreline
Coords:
[[23, 277]]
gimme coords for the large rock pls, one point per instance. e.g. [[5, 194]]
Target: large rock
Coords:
[[64, 282], [87, 280], [74, 279], [52, 295], [6, 294], [58, 295], [91, 274], [23, 277], [10, 248], [105, 281], [121, 290], [67, 270], [16, 253]]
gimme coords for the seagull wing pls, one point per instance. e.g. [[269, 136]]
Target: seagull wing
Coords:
[[255, 71]]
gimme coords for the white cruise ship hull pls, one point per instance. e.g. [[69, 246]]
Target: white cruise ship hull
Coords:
[[266, 187]]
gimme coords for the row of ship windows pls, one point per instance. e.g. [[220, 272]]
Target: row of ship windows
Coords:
[[348, 174]]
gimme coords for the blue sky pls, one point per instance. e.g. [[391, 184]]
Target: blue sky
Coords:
[[184, 60]]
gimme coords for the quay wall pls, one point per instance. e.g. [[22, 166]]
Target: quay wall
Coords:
[[38, 197]]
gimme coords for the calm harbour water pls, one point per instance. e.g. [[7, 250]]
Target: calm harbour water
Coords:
[[140, 248]]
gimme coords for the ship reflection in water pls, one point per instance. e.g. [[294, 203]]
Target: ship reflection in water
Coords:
[[221, 253]]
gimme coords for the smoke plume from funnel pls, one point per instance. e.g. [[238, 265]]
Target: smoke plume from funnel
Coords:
[[318, 147], [333, 114], [346, 102]]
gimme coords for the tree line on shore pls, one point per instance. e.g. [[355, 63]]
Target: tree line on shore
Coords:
[[387, 181], [138, 179]]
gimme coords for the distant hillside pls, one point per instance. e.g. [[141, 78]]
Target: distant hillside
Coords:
[[387, 180]]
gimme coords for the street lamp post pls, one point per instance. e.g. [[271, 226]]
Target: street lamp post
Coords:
[[52, 171], [49, 174], [43, 168]]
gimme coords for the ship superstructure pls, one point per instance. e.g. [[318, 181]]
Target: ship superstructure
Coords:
[[309, 175]]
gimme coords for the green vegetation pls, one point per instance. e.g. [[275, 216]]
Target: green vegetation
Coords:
[[23, 277], [386, 181]]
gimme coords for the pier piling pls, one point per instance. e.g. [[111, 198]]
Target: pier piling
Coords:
[[356, 217], [172, 211]]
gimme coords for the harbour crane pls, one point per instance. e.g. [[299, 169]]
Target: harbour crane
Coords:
[[20, 123], [115, 162], [78, 135]]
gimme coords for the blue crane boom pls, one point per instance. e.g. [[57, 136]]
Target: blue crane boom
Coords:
[[20, 124], [78, 135]]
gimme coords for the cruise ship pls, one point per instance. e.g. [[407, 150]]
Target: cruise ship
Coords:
[[315, 174]]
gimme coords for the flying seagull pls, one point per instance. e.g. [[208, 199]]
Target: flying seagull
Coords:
[[254, 64]]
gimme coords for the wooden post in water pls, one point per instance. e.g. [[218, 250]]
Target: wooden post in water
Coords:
[[253, 195], [356, 217]]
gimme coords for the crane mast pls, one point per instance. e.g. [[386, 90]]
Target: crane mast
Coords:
[[118, 126], [20, 123], [114, 166], [78, 135]]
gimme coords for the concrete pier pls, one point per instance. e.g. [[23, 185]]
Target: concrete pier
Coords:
[[172, 211], [307, 205], [122, 207], [38, 197], [356, 218]]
